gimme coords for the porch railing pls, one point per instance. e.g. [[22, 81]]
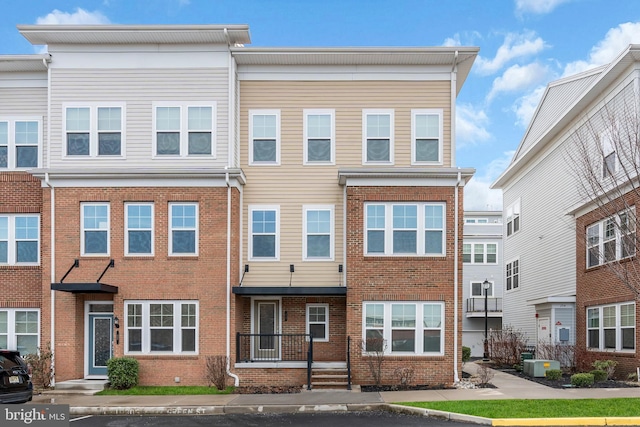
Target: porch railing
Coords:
[[476, 305], [273, 347]]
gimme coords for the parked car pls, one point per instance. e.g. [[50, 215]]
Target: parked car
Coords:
[[15, 382]]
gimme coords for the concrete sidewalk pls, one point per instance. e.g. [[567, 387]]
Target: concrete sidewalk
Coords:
[[508, 387]]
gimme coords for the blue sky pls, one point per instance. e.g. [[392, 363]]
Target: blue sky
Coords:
[[524, 44]]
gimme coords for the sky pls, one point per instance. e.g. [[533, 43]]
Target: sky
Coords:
[[524, 45]]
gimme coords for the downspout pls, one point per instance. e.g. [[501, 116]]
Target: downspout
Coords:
[[231, 125], [456, 285], [344, 236]]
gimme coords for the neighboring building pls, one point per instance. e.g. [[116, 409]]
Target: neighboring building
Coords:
[[542, 201], [482, 262], [200, 198]]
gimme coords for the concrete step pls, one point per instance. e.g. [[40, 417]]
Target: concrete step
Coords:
[[81, 385]]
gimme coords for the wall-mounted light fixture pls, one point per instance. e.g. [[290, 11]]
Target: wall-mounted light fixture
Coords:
[[292, 269], [116, 322], [339, 268]]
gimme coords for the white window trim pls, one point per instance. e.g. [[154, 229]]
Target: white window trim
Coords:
[[421, 230], [82, 229], [489, 294], [11, 241], [126, 229], [146, 327], [601, 225], [391, 114], [184, 130], [484, 244], [275, 113], [251, 209], [608, 147], [11, 140], [432, 112], [310, 112], [196, 229], [601, 328], [329, 208], [419, 327], [513, 210], [519, 275], [12, 336], [93, 130], [326, 323]]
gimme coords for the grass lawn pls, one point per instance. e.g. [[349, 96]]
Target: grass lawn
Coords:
[[169, 390], [541, 408]]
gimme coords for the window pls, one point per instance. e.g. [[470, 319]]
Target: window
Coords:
[[318, 233], [404, 327], [609, 156], [513, 218], [20, 330], [161, 327], [183, 229], [426, 126], [264, 137], [263, 233], [611, 239], [480, 253], [184, 130], [20, 142], [94, 131], [476, 221], [319, 136], [477, 290], [513, 274], [138, 229], [404, 229], [19, 239], [318, 321], [612, 327], [95, 229], [377, 131]]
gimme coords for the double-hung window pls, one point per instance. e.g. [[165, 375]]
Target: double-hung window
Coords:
[[611, 239], [612, 327], [477, 289], [426, 126], [404, 229], [264, 137], [513, 218], [264, 233], [480, 253], [513, 274], [95, 229], [378, 133], [161, 327], [94, 131], [403, 327], [184, 130], [20, 143], [19, 239], [609, 156], [20, 329], [138, 229], [183, 229], [318, 233], [319, 137], [318, 321]]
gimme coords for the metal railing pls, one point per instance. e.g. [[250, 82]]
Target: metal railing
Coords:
[[348, 362], [476, 305]]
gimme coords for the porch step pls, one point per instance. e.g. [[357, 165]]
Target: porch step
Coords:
[[329, 378], [82, 385]]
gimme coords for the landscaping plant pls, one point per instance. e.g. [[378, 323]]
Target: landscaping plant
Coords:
[[582, 380], [123, 372]]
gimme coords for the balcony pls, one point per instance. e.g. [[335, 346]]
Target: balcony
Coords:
[[475, 307]]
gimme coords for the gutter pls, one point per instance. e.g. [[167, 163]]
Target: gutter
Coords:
[[454, 83]]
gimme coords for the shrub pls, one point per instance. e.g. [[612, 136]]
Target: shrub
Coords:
[[484, 374], [373, 349], [582, 380], [466, 354], [217, 371], [506, 345], [632, 377], [599, 375], [404, 377], [554, 374], [41, 368], [609, 366], [123, 372]]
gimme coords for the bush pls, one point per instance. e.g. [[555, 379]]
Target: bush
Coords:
[[217, 371], [609, 366], [466, 354], [41, 367], [632, 377], [123, 372], [554, 374], [506, 346], [582, 380], [599, 375]]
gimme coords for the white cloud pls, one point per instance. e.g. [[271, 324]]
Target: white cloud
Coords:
[[517, 78], [79, 17], [525, 106], [477, 194], [452, 41], [514, 46], [537, 6], [467, 38], [471, 125], [615, 41]]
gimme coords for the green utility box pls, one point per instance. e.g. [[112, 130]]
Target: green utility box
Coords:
[[523, 357], [538, 368]]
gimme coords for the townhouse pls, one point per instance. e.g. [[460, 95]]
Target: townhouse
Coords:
[[277, 206]]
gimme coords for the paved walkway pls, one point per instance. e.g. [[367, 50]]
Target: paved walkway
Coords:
[[508, 387]]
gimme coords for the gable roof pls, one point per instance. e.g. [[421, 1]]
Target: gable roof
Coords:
[[563, 101]]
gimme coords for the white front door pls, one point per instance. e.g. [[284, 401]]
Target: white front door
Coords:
[[544, 330], [266, 345]]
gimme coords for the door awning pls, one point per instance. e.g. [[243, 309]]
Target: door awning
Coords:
[[85, 287], [290, 290]]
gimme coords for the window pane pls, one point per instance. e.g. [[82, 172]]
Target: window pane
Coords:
[[95, 242], [318, 221], [26, 227], [200, 118], [135, 340], [167, 118], [375, 216], [318, 246], [433, 242], [378, 150], [183, 241], [319, 150], [264, 126], [427, 125], [628, 338], [318, 331], [188, 340], [378, 126], [427, 150], [77, 119], [478, 255], [264, 150], [403, 315], [466, 252], [4, 326], [27, 344], [593, 318], [403, 340], [375, 242], [78, 144], [26, 157], [4, 156], [26, 251], [318, 125], [594, 339], [4, 247], [26, 322], [374, 340], [492, 256], [264, 221], [431, 341], [432, 315], [168, 143], [199, 142], [161, 339], [404, 242], [134, 315], [609, 338], [139, 242], [109, 144], [609, 317], [109, 118], [374, 315], [188, 315], [476, 289], [264, 246]]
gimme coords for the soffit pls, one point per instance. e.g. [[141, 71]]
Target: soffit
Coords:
[[21, 63]]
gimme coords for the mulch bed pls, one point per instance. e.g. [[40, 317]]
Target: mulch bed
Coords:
[[373, 388], [268, 389], [565, 381]]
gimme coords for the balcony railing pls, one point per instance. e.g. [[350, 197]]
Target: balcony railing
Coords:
[[476, 305]]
